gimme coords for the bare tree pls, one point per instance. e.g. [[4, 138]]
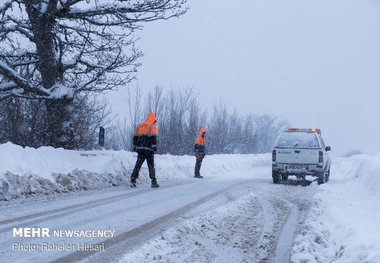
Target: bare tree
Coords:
[[268, 129], [23, 121], [235, 135], [155, 101], [88, 115], [135, 116], [134, 107], [180, 117], [218, 129], [172, 125], [194, 121], [122, 132], [56, 49], [249, 141]]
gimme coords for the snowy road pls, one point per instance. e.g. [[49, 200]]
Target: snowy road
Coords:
[[234, 214], [219, 220]]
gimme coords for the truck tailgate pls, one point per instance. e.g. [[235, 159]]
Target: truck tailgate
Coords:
[[297, 156]]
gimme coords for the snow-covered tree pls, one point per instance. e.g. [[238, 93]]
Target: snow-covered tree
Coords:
[[53, 50]]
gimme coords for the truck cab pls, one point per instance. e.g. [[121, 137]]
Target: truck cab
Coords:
[[300, 152]]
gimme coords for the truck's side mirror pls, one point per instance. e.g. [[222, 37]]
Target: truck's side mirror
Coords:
[[328, 148]]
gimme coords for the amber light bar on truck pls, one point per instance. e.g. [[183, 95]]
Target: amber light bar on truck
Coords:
[[304, 130]]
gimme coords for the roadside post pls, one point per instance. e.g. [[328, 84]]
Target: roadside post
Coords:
[[101, 136]]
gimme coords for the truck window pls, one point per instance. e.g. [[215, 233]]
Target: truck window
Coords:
[[322, 143], [298, 140]]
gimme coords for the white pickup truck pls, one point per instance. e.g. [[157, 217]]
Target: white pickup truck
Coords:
[[300, 152]]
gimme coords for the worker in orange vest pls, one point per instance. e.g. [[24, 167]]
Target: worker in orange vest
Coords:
[[200, 152], [145, 144]]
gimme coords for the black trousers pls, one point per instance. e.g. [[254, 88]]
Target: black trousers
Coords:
[[198, 165], [142, 156]]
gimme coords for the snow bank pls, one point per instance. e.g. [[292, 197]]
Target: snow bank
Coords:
[[343, 224], [29, 171]]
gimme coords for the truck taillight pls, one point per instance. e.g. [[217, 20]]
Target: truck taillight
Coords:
[[274, 156], [320, 156]]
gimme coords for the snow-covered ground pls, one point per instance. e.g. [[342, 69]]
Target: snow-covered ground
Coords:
[[25, 172], [234, 214], [343, 224]]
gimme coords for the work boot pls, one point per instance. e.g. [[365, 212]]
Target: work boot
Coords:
[[198, 176], [132, 184], [155, 184]]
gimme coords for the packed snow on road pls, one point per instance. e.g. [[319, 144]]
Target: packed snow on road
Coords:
[[76, 206]]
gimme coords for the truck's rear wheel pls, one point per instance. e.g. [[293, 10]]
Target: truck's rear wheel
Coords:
[[327, 175], [276, 177], [321, 177]]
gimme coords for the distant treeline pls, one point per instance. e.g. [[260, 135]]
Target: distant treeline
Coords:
[[179, 118]]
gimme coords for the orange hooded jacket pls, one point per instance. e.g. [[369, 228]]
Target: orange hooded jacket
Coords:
[[146, 135], [200, 143]]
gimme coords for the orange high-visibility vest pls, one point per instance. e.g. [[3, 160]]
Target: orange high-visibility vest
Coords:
[[200, 140], [145, 134]]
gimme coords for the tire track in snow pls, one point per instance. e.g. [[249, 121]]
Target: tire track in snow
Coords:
[[267, 240], [285, 239], [117, 245], [297, 205], [69, 210], [284, 209]]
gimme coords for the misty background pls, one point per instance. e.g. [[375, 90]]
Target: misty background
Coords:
[[313, 63]]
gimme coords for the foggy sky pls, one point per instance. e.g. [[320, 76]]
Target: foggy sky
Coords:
[[313, 62]]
